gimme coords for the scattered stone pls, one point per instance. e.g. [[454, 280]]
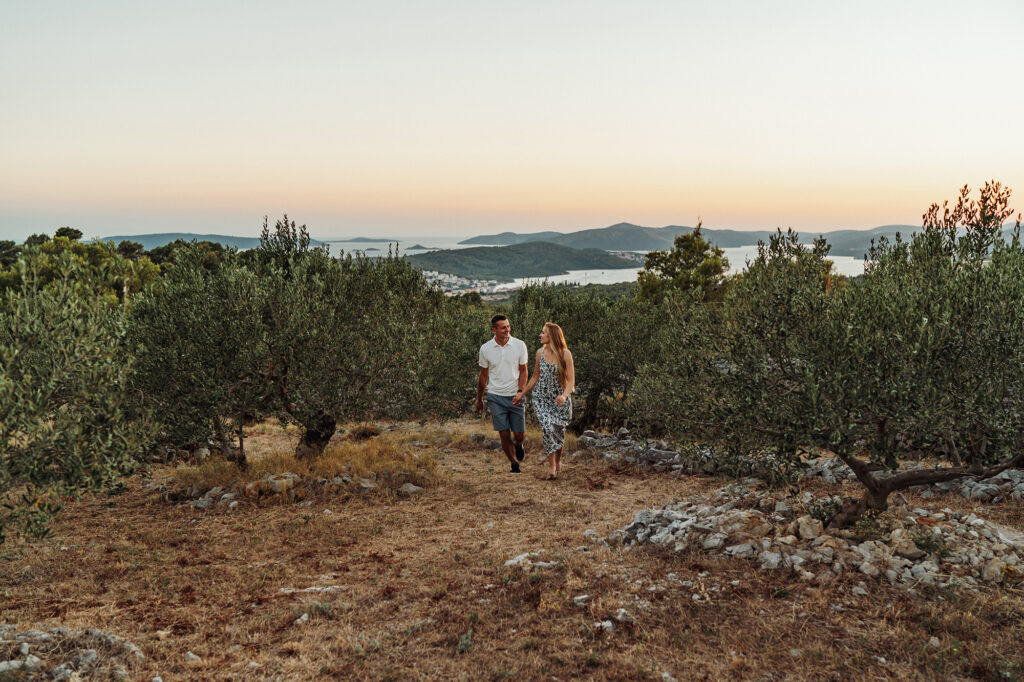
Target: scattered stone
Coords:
[[730, 522], [934, 643], [580, 600], [192, 658], [304, 618], [809, 528], [29, 664], [521, 560], [605, 626], [366, 484], [624, 616], [410, 489]]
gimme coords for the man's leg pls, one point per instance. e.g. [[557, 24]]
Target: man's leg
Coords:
[[507, 445]]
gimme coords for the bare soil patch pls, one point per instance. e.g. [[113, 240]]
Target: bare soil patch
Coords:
[[417, 587]]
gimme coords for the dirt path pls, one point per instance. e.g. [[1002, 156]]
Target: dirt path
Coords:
[[417, 588]]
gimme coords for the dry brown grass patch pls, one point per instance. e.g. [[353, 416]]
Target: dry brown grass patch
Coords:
[[414, 576]]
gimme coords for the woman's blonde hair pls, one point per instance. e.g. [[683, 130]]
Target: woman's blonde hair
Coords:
[[556, 339]]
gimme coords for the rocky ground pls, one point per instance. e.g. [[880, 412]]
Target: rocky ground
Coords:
[[614, 571]]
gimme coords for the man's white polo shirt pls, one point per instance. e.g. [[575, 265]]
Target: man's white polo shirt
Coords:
[[502, 364]]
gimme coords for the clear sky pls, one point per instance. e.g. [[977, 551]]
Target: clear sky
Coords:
[[459, 117]]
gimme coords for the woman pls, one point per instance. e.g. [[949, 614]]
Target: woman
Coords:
[[554, 377]]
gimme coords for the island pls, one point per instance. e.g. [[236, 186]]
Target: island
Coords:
[[507, 263]]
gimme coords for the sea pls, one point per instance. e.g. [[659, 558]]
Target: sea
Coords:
[[738, 257]]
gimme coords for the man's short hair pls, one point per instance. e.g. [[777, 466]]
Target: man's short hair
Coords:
[[495, 319]]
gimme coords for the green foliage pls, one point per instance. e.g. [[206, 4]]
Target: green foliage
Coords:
[[9, 252], [356, 338], [130, 250], [201, 349], [505, 263], [291, 331], [921, 354], [98, 266], [165, 256], [37, 239], [693, 264], [68, 233], [68, 421], [609, 338]]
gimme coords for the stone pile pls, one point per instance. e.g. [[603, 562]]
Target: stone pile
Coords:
[[918, 546], [658, 456], [65, 654]]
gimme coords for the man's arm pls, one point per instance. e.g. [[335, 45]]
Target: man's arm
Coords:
[[523, 374], [481, 386]]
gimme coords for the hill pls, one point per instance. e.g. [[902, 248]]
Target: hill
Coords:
[[506, 263], [509, 238], [152, 241], [629, 237]]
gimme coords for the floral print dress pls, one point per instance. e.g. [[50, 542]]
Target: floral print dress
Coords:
[[553, 418]]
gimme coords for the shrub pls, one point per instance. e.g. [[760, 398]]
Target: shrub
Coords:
[[202, 356], [609, 338], [68, 419], [923, 354]]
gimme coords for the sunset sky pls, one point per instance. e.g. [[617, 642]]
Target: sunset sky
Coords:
[[463, 118]]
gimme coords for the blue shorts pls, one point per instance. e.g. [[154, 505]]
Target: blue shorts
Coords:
[[504, 415]]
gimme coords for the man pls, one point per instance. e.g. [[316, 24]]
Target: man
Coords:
[[503, 375]]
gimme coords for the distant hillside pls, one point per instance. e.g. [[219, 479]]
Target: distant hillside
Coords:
[[629, 237], [152, 241], [505, 263], [509, 238]]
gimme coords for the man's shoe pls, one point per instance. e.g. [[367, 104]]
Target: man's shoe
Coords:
[[520, 452], [515, 468]]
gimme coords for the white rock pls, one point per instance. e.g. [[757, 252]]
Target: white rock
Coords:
[[623, 616], [521, 559], [581, 599], [191, 657], [809, 527], [770, 560], [28, 664], [993, 571], [605, 626]]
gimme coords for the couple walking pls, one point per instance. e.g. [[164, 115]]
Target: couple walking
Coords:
[[503, 370]]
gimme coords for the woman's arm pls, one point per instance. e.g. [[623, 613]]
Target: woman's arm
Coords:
[[570, 378], [536, 373]]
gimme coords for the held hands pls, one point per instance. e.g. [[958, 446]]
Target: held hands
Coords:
[[560, 400], [518, 397]]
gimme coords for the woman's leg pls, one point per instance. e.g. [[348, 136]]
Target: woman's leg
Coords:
[[557, 457]]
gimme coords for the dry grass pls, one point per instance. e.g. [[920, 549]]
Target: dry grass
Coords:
[[423, 593]]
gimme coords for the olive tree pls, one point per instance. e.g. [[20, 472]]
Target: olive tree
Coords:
[[69, 421], [609, 338], [202, 356], [921, 357], [354, 338]]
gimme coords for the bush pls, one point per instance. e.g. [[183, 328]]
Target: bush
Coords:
[[921, 355], [68, 420], [202, 354], [609, 338]]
